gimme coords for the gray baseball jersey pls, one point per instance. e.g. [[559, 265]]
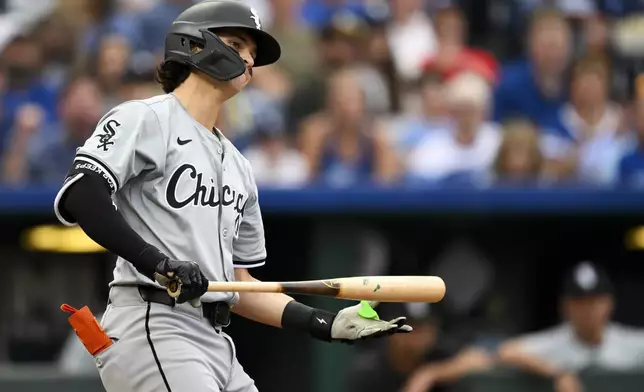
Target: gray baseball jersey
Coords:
[[186, 190]]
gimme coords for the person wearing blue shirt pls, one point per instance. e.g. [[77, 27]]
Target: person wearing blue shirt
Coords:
[[153, 24], [54, 147], [318, 13], [536, 88], [23, 64], [631, 166]]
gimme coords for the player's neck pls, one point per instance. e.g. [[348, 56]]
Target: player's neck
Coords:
[[201, 100]]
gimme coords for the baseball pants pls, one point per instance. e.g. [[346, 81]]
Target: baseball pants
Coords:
[[160, 348]]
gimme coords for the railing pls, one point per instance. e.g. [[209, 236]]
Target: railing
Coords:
[[398, 200]]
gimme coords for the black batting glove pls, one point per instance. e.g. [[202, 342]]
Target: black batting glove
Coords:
[[193, 282]]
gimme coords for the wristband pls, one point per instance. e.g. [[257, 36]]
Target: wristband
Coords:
[[315, 322]]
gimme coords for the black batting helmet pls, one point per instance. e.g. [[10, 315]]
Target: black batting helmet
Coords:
[[195, 26]]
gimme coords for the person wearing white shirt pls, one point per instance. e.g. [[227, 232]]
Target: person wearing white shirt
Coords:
[[411, 38], [467, 144], [593, 141], [274, 163], [586, 339]]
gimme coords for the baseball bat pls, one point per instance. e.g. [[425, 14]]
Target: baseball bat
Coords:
[[370, 288]]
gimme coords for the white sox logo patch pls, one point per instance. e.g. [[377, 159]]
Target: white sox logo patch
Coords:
[[105, 139], [255, 16]]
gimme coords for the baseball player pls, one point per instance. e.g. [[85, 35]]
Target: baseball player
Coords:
[[161, 187]]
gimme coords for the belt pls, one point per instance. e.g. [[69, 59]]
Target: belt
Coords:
[[217, 313]]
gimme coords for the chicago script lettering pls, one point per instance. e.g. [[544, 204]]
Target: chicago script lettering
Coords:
[[204, 193]]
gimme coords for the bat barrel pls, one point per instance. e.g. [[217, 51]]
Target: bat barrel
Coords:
[[394, 289], [374, 288]]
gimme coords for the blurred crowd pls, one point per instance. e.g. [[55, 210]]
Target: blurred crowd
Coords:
[[384, 92]]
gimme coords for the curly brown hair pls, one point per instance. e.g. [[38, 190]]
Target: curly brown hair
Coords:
[[171, 74]]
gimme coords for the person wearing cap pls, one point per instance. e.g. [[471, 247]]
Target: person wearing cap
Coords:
[[586, 339]]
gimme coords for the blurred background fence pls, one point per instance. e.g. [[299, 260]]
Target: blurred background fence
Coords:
[[494, 143]]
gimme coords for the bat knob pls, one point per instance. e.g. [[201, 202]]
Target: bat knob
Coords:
[[173, 285], [174, 288]]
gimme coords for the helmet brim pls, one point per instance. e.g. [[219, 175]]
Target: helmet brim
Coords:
[[268, 49]]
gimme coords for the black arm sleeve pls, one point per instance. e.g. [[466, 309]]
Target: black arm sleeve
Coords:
[[88, 201]]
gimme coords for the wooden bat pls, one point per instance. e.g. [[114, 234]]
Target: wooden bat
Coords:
[[370, 288]]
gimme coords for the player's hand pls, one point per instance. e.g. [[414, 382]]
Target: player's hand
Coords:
[[193, 282], [361, 321]]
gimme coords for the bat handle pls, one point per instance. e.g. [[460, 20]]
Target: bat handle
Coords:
[[172, 284]]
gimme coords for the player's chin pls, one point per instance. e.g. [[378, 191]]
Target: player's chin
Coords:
[[240, 82]]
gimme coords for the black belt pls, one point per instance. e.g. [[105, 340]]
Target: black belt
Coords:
[[217, 313]]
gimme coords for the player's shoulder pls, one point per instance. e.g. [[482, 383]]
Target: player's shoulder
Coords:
[[147, 109]]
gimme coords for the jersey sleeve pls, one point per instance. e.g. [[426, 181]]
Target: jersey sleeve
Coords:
[[249, 250], [125, 143]]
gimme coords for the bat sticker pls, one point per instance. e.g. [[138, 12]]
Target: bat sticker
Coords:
[[331, 284]]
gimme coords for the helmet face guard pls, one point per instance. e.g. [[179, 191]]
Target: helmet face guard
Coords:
[[196, 26], [215, 59]]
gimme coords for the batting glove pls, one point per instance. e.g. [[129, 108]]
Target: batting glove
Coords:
[[361, 321], [191, 280]]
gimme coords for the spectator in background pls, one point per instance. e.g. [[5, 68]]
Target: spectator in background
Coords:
[[411, 38], [342, 144], [630, 168], [589, 142], [453, 55], [23, 85], [138, 86], [586, 339], [275, 164], [105, 18], [244, 113], [596, 35], [337, 48], [519, 160], [377, 71], [467, 146], [409, 130], [379, 54], [58, 45], [153, 24], [426, 360], [299, 59], [42, 156], [536, 88], [111, 66], [319, 13], [29, 120]]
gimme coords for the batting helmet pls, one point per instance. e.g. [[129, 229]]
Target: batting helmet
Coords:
[[216, 59]]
